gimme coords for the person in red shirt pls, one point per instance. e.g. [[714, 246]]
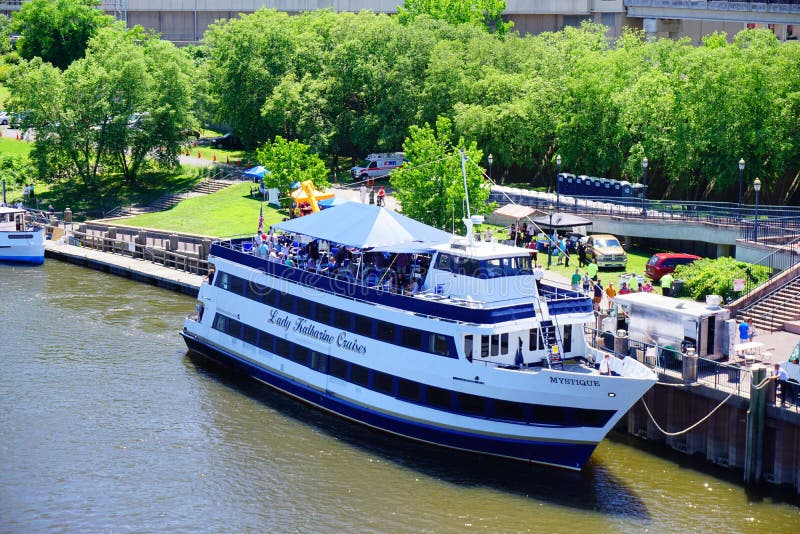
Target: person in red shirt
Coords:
[[624, 289], [381, 197]]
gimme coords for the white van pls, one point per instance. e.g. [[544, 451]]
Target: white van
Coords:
[[376, 165]]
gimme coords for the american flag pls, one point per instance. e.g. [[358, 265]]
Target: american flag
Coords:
[[261, 221]]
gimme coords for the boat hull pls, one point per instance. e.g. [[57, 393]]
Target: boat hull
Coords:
[[22, 247], [560, 454]]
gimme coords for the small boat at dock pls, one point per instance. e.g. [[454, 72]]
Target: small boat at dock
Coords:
[[20, 241]]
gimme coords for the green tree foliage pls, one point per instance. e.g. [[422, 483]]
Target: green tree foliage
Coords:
[[715, 277], [289, 162], [17, 170], [484, 13], [58, 31], [118, 109], [350, 84], [431, 186]]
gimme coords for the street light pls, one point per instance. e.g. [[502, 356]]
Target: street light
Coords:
[[757, 187], [558, 172], [644, 188], [741, 170], [491, 160], [550, 210]]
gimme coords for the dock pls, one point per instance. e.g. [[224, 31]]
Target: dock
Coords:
[[126, 266]]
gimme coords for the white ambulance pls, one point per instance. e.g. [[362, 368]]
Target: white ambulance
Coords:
[[376, 165]]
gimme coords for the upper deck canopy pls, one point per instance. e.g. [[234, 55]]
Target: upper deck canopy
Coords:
[[364, 226]]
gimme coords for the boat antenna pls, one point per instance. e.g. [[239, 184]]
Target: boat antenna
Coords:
[[468, 219]]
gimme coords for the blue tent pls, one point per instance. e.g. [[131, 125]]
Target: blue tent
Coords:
[[331, 202], [256, 172]]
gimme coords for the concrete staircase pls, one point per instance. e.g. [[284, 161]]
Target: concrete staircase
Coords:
[[165, 202], [774, 310]]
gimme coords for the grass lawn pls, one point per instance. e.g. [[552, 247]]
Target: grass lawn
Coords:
[[229, 212], [14, 147], [637, 259]]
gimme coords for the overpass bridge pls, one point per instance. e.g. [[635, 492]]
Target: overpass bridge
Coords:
[[711, 229]]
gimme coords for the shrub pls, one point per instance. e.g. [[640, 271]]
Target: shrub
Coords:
[[715, 277]]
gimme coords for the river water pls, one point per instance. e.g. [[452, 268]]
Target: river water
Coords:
[[108, 425]]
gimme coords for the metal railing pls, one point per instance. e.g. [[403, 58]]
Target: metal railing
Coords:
[[180, 260]]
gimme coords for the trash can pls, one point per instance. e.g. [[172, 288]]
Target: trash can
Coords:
[[678, 287], [621, 342]]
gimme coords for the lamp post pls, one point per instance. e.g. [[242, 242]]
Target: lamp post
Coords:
[[644, 188], [741, 170], [558, 172], [550, 210], [757, 187], [491, 160]]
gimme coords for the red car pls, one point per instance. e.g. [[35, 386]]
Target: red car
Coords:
[[665, 262]]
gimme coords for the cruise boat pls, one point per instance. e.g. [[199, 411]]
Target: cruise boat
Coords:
[[413, 331], [19, 241]]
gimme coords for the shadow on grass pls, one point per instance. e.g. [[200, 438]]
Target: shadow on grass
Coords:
[[112, 191]]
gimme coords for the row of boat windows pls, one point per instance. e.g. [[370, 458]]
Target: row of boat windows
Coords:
[[404, 336], [409, 390], [491, 268], [497, 344]]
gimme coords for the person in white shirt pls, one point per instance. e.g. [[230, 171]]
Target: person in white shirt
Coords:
[[780, 375], [538, 273], [605, 365], [363, 193]]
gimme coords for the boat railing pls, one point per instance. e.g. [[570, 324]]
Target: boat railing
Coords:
[[551, 291]]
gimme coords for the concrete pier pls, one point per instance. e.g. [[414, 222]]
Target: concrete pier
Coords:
[[126, 266]]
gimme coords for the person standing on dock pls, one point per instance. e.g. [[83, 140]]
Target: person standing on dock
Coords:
[[744, 332], [667, 282], [780, 375], [592, 270]]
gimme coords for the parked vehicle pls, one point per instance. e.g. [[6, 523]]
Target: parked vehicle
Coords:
[[4, 119], [606, 251], [665, 262], [226, 141], [377, 165]]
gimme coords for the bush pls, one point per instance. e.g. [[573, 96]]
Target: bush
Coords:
[[715, 277]]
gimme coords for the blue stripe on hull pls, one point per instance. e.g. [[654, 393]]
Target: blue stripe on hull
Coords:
[[569, 455], [36, 260]]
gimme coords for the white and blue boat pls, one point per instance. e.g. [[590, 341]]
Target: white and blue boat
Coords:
[[472, 355], [20, 242]]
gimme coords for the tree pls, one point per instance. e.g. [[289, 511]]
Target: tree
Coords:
[[58, 31], [120, 108], [484, 13], [289, 162], [430, 187]]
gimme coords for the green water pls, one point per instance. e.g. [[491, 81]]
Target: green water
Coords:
[[108, 425]]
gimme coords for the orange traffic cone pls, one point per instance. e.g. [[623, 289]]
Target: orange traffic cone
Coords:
[[195, 143], [198, 154], [227, 160], [17, 137], [215, 157], [187, 151]]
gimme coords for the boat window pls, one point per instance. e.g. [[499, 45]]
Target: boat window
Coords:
[[304, 308], [382, 382], [411, 338], [468, 346], [408, 390], [249, 334], [266, 342], [566, 340], [319, 361], [223, 281], [503, 343], [323, 314], [300, 355], [338, 368], [550, 415], [495, 349], [438, 345], [385, 331], [359, 375], [363, 325], [443, 262], [471, 404], [510, 411], [282, 347], [438, 397], [534, 339], [341, 319], [484, 346], [221, 323], [237, 285]]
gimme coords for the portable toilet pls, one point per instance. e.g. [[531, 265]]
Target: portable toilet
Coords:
[[607, 189], [570, 188], [561, 180], [578, 186], [625, 189], [637, 191], [597, 187], [616, 189], [586, 190]]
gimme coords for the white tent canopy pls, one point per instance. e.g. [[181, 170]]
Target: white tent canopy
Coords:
[[364, 226]]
